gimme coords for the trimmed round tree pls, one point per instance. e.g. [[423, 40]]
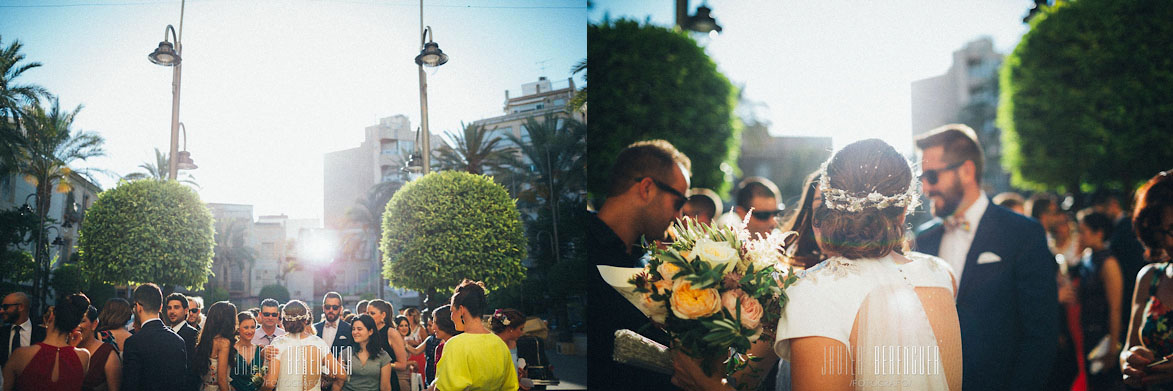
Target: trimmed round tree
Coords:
[[148, 231], [654, 83], [1085, 99], [447, 226]]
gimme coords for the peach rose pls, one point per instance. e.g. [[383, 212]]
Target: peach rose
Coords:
[[689, 303], [667, 270], [751, 309], [663, 286]]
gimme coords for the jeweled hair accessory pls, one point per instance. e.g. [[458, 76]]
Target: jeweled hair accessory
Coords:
[[840, 199], [501, 316], [292, 318]]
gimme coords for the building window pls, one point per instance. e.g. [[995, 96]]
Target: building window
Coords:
[[388, 147]]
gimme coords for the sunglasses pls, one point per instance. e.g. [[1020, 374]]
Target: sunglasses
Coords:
[[194, 310], [680, 197], [5, 306], [331, 306], [766, 214], [273, 314], [931, 176]]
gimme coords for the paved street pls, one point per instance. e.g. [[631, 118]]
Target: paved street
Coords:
[[571, 370]]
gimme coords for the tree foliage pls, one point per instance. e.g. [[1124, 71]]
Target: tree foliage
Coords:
[[275, 292], [160, 169], [67, 279], [653, 83], [475, 149], [450, 225], [14, 96], [1085, 97], [148, 231]]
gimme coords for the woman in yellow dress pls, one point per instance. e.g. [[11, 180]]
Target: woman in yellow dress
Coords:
[[476, 359]]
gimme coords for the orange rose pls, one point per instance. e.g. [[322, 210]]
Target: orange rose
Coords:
[[689, 303], [751, 309]]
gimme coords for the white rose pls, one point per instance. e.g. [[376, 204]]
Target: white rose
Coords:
[[719, 255]]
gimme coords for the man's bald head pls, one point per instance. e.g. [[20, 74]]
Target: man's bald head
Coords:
[[16, 307]]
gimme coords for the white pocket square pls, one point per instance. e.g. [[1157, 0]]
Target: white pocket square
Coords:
[[988, 257], [341, 337]]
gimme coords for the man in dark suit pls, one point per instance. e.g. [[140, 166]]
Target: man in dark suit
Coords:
[[18, 330], [176, 306], [646, 194], [1007, 299], [154, 358], [335, 331]]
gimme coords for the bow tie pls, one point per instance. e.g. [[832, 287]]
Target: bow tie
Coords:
[[955, 223], [332, 324]]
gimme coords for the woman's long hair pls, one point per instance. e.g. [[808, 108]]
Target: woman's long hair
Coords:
[[114, 314], [1151, 201], [221, 322], [801, 221]]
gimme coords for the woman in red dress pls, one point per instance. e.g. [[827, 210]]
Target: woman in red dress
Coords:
[[32, 367]]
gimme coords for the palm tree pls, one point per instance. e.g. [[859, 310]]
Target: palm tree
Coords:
[[159, 170], [231, 251], [475, 150], [50, 146], [367, 213], [579, 101], [14, 97]]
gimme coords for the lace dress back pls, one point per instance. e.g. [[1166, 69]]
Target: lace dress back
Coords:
[[897, 321], [301, 358]]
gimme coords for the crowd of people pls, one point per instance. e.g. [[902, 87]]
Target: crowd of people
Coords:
[[1018, 293], [157, 342]]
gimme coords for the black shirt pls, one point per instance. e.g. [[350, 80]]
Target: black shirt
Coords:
[[608, 311]]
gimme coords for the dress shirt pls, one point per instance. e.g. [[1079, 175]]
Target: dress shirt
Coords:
[[955, 243], [260, 339], [178, 326], [329, 330], [26, 335]]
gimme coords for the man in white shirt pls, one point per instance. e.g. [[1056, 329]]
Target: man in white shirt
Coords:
[[270, 315], [19, 330], [175, 307], [1007, 299]]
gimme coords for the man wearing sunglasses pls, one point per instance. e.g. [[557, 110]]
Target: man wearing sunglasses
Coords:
[[760, 195], [332, 329], [270, 313], [19, 329], [647, 191], [1007, 299], [195, 316]]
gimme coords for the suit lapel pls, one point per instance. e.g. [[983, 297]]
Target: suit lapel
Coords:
[[929, 240], [985, 234]]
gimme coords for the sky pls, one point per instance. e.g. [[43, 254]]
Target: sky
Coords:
[[839, 68], [270, 86]]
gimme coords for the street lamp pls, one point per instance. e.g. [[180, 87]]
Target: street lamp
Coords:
[[701, 22], [169, 55], [184, 157], [431, 56]]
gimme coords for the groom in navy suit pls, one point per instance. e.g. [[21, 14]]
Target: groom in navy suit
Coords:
[[154, 358], [1007, 300]]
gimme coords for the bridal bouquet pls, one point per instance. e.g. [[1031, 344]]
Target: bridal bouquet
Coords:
[[714, 289]]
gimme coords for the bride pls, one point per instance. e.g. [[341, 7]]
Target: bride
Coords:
[[870, 317], [301, 358]]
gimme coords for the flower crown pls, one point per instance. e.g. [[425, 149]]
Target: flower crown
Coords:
[[840, 199], [500, 316], [292, 318]]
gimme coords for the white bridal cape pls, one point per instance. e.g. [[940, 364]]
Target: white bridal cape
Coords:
[[885, 314]]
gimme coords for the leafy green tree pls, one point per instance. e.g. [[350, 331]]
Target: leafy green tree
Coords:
[[367, 213], [475, 150], [50, 147], [148, 231], [653, 83], [450, 225], [68, 278], [275, 292], [16, 229], [1085, 97], [160, 170], [578, 103]]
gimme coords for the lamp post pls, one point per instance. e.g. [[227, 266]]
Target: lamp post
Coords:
[[168, 54], [431, 56], [701, 22]]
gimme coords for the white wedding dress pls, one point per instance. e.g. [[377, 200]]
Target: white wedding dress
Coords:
[[301, 358], [897, 322]]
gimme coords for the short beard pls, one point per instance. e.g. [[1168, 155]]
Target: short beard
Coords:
[[952, 199]]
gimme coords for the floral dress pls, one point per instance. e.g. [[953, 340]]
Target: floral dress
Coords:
[[1156, 331]]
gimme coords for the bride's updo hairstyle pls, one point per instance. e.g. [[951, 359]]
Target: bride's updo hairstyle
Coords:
[[866, 192], [295, 316]]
